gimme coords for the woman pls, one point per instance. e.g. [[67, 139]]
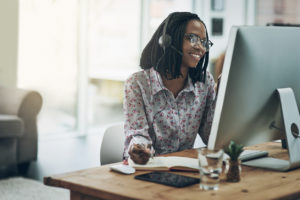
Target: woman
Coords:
[[172, 99]]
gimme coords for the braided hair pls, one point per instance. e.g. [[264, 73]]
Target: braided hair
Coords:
[[167, 63]]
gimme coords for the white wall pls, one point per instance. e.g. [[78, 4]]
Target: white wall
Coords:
[[236, 12], [8, 42]]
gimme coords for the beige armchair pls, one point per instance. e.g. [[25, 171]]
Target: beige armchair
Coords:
[[18, 126]]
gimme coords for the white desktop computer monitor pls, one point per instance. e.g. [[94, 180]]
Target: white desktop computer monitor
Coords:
[[258, 61]]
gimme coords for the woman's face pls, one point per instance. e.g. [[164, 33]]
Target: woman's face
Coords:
[[193, 53]]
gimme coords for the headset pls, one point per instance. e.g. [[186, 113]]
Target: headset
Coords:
[[165, 40]]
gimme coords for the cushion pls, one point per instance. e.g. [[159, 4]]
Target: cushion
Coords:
[[10, 126], [8, 152]]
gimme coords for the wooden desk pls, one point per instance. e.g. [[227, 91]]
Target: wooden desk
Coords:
[[101, 183]]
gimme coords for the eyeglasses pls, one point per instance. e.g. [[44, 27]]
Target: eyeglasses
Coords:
[[196, 40]]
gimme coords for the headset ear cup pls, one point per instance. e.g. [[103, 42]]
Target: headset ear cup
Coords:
[[165, 40]]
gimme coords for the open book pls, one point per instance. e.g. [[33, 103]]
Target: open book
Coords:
[[168, 163]]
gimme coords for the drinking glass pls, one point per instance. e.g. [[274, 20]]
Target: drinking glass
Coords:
[[210, 167]]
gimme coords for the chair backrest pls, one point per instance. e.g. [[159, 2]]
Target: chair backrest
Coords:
[[112, 145], [198, 142]]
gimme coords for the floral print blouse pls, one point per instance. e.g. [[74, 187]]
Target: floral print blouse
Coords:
[[153, 116]]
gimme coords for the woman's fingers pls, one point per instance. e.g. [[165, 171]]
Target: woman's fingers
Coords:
[[139, 154]]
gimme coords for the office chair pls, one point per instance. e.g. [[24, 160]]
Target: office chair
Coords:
[[112, 145], [198, 142]]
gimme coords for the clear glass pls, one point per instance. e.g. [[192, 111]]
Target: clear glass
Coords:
[[210, 168]]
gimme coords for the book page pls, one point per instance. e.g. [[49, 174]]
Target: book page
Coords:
[[167, 162], [174, 161], [152, 163]]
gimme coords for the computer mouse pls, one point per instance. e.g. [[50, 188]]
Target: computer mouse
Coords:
[[124, 169]]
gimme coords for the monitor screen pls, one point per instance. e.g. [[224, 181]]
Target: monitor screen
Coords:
[[258, 61]]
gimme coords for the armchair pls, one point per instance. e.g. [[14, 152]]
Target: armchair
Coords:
[[18, 126]]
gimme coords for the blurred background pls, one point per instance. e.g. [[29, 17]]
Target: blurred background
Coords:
[[78, 53]]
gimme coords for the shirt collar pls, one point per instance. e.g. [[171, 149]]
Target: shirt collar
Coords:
[[157, 83], [189, 86]]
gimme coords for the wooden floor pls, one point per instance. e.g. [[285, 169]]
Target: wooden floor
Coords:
[[60, 155]]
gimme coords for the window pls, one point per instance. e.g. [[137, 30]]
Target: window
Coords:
[[51, 48], [160, 9], [277, 11], [113, 38], [118, 30], [48, 60], [113, 54]]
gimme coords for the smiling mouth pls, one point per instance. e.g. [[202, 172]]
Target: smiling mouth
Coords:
[[195, 56]]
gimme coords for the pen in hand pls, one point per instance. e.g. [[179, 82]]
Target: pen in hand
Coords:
[[139, 152], [148, 146]]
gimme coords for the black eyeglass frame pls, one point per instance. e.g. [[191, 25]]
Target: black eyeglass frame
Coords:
[[207, 44]]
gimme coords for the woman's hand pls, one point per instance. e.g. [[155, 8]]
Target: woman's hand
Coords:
[[140, 153]]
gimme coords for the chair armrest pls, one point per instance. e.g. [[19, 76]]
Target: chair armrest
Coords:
[[24, 103]]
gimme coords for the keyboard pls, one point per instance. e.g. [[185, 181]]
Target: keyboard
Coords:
[[250, 155]]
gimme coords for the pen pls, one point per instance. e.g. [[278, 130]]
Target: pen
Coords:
[[148, 146]]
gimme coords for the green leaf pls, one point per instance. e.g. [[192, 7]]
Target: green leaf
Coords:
[[234, 150]]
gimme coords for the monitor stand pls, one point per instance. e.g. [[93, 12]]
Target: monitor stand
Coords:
[[291, 120]]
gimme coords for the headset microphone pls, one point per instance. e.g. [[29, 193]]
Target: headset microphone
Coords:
[[165, 40]]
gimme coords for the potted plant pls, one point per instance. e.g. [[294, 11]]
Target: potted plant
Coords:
[[234, 164]]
